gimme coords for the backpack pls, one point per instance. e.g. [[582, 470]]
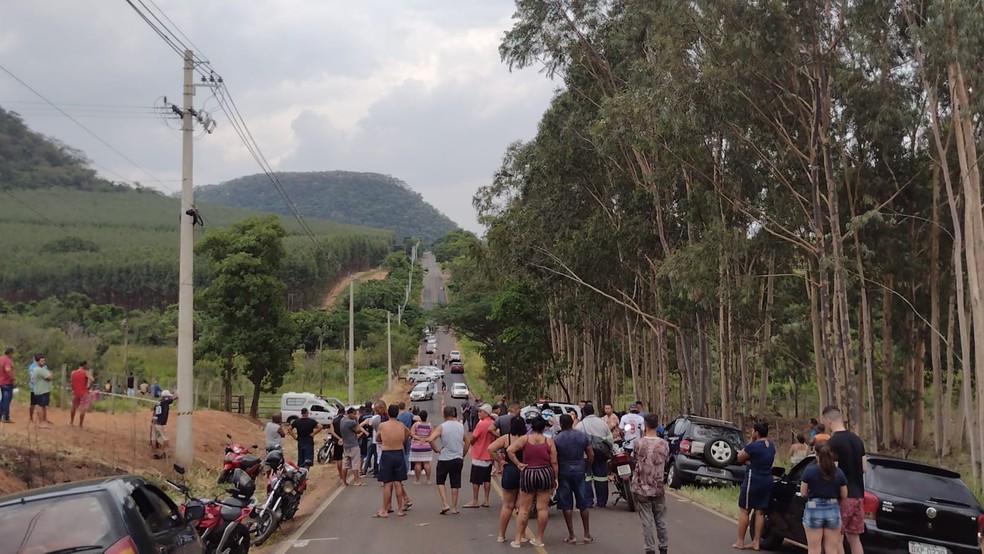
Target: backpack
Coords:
[[602, 447]]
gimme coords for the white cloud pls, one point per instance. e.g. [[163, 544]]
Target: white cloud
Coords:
[[412, 88]]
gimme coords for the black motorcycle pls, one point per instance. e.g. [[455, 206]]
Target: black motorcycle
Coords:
[[285, 484]]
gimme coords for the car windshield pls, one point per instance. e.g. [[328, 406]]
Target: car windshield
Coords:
[[708, 432], [57, 524], [918, 485], [420, 388], [460, 386]]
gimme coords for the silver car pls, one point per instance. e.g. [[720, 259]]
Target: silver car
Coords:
[[423, 391]]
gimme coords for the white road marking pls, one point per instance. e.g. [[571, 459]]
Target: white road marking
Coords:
[[290, 542]]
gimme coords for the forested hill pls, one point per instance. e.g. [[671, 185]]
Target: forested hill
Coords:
[[367, 199]]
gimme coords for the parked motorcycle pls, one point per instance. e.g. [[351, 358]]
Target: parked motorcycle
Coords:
[[621, 465], [286, 482], [221, 524], [327, 449], [238, 456]]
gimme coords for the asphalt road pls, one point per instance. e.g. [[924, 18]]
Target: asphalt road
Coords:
[[344, 522]]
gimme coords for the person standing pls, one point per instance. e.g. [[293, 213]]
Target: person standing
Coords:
[[158, 437], [303, 430], [758, 457], [611, 420], [812, 433], [823, 485], [42, 392], [651, 452], [510, 472], [130, 383], [38, 359], [335, 451], [481, 460], [596, 479], [392, 435], [406, 418], [798, 450], [81, 383], [6, 384], [380, 416], [632, 426], [420, 449], [350, 430], [848, 450], [273, 434], [155, 389], [537, 477], [450, 456], [573, 446]]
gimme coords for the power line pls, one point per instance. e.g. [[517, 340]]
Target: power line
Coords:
[[86, 129]]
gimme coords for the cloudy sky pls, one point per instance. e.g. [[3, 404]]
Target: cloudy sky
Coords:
[[410, 88]]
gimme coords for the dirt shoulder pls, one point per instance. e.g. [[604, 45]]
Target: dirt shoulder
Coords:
[[369, 275]]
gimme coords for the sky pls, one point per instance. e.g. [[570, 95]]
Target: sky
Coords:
[[410, 88]]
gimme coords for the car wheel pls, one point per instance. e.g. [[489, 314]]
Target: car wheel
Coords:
[[673, 477], [720, 453], [771, 540]]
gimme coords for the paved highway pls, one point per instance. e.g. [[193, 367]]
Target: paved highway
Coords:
[[344, 522]]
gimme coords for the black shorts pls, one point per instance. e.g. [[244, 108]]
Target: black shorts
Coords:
[[34, 399], [42, 399], [392, 466], [480, 474], [510, 477], [336, 452], [452, 469]]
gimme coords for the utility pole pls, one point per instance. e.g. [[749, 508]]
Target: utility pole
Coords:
[[389, 353], [351, 360], [184, 447]]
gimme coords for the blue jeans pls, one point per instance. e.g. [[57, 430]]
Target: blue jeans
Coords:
[[305, 453], [596, 484], [6, 396], [370, 459], [570, 490], [822, 513]]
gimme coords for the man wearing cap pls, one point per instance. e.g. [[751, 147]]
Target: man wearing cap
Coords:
[[6, 384], [162, 410], [481, 464]]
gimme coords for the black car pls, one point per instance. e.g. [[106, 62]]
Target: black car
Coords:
[[703, 450], [908, 507], [115, 515]]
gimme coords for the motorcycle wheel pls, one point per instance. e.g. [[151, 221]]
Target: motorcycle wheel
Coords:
[[239, 541], [323, 454], [629, 497], [266, 524], [290, 507]]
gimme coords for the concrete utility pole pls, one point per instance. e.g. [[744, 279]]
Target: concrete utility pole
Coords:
[[389, 353], [184, 449], [351, 360]]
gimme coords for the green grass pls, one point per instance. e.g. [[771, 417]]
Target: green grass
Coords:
[[474, 369], [721, 499]]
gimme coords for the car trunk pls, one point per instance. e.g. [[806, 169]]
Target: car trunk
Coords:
[[922, 501]]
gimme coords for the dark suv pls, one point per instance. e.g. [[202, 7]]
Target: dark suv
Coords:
[[115, 515], [703, 450]]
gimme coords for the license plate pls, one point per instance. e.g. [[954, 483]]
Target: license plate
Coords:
[[624, 470], [715, 470], [920, 548]]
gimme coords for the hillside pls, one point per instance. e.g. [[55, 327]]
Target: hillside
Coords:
[[367, 199]]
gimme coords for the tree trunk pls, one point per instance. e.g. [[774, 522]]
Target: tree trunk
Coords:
[[886, 338], [939, 433], [819, 362], [767, 336], [947, 405]]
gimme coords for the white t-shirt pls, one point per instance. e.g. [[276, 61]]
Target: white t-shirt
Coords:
[[452, 440], [594, 426], [272, 436], [632, 426]]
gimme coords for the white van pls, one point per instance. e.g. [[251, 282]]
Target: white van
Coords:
[[320, 409]]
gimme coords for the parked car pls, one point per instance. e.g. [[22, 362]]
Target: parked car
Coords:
[[115, 515], [703, 450], [438, 372], [457, 367], [420, 374], [459, 390], [423, 391], [908, 507], [430, 348], [454, 356], [558, 408], [320, 409]]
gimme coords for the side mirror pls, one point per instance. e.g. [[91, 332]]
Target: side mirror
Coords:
[[778, 471], [194, 511], [179, 468]]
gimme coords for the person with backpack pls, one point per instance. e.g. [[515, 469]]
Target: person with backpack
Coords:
[[602, 443]]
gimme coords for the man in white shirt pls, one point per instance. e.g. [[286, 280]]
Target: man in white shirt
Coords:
[[596, 485], [632, 425]]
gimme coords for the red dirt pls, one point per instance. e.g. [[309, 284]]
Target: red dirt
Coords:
[[369, 275]]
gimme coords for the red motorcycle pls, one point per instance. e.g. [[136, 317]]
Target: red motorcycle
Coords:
[[621, 465], [286, 482], [237, 456], [221, 523]]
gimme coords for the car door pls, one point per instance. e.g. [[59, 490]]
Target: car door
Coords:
[[168, 531], [786, 506], [321, 414]]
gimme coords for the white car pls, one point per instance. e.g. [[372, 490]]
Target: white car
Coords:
[[432, 340], [433, 369], [454, 356], [459, 390], [419, 375], [423, 391], [322, 410]]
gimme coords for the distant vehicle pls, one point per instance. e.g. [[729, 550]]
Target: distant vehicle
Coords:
[[457, 367], [432, 340], [459, 390], [419, 374], [322, 410], [434, 369], [558, 408], [703, 450], [908, 507], [423, 391], [115, 515], [454, 356], [430, 348]]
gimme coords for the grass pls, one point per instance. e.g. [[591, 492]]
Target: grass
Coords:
[[474, 368], [721, 499]]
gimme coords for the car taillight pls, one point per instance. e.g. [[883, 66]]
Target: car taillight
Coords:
[[122, 546], [685, 446], [870, 505], [980, 525]]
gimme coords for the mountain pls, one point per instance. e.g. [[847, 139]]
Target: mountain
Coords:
[[369, 199]]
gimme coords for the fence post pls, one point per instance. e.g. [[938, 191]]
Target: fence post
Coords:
[[112, 398], [61, 395]]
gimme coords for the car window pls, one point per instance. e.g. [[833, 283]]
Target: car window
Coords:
[[157, 511], [917, 485], [317, 408], [294, 402], [670, 429], [57, 524], [701, 431]]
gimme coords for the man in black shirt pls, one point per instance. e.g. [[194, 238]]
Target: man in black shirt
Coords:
[[304, 429], [162, 410], [848, 450]]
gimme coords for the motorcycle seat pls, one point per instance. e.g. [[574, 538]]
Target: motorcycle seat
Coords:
[[248, 462], [232, 508]]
